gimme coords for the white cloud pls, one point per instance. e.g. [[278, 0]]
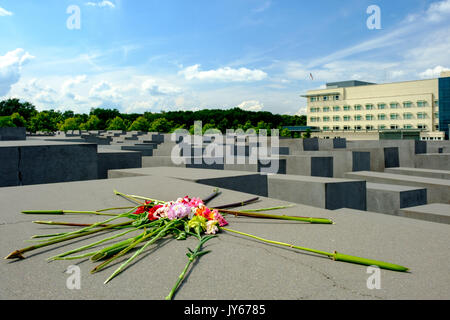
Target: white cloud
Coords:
[[226, 74], [101, 4], [301, 112], [433, 72], [251, 105], [10, 68], [438, 11], [153, 88], [4, 12]]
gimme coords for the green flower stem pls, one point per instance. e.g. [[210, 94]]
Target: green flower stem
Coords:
[[131, 243], [153, 240], [123, 215], [18, 253], [267, 209], [273, 216], [62, 212], [335, 256], [192, 255], [131, 198], [90, 245]]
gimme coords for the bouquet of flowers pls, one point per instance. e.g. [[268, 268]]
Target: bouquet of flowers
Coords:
[[155, 220]]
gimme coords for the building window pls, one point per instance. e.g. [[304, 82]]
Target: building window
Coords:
[[407, 116], [347, 118], [407, 126], [394, 126], [358, 128], [421, 115], [436, 115], [393, 105], [369, 106], [407, 104], [421, 126], [336, 108], [336, 118], [436, 103], [336, 97], [315, 109], [381, 106], [381, 127], [312, 99], [421, 104], [326, 128], [358, 107], [326, 109], [394, 116], [346, 128], [369, 117], [336, 128], [382, 117], [369, 127], [347, 108], [326, 119], [358, 117], [325, 98]]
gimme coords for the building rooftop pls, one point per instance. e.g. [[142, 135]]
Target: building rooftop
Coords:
[[348, 83]]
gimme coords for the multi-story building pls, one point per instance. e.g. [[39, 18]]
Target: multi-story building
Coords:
[[361, 110]]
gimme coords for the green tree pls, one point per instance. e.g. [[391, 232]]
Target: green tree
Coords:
[[10, 106], [104, 115], [18, 120], [160, 125], [46, 121], [69, 124], [93, 123], [5, 121], [117, 124], [140, 124]]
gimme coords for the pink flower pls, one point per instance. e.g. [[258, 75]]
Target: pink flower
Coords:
[[220, 218], [178, 211]]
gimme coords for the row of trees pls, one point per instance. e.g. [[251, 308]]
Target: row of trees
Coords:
[[13, 112]]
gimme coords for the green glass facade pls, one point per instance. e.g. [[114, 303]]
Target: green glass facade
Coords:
[[444, 105]]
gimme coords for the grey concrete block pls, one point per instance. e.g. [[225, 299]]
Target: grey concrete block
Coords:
[[308, 165], [360, 161], [253, 183], [391, 158], [12, 134], [339, 143], [435, 212], [438, 190], [419, 172], [389, 199], [420, 147], [437, 161], [311, 144], [416, 244], [111, 159], [144, 150], [328, 193], [9, 164], [57, 163]]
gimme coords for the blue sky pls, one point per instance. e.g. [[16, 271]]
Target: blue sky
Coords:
[[153, 55]]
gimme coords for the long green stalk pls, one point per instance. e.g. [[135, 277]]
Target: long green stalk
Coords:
[[57, 257], [153, 240], [335, 256], [192, 255], [274, 216], [18, 253], [62, 212]]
